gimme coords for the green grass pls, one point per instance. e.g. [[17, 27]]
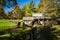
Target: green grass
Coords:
[[5, 24], [5, 35], [57, 27]]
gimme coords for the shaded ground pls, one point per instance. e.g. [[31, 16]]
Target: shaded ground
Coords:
[[7, 31]]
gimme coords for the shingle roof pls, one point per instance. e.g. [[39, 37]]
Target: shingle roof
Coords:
[[27, 18], [37, 14]]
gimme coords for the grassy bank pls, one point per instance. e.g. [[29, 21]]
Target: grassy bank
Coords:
[[5, 24]]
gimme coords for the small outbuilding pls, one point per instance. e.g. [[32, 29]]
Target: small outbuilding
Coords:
[[27, 20], [38, 15]]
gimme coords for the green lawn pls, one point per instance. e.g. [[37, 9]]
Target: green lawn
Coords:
[[5, 24]]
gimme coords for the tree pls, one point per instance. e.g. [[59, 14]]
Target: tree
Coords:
[[17, 12], [26, 10], [43, 5], [32, 6], [5, 3], [48, 6], [2, 4], [58, 6]]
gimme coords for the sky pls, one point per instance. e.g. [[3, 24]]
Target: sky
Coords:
[[21, 3]]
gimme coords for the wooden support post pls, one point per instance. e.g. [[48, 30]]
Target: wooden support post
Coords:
[[18, 25]]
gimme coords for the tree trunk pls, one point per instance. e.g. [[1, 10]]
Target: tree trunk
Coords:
[[2, 15]]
